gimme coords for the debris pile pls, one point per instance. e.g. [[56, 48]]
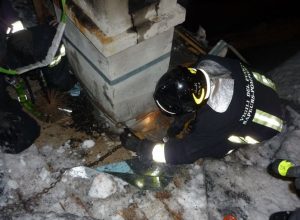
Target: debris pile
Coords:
[[84, 119]]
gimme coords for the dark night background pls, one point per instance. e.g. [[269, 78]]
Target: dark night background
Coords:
[[265, 32], [229, 16]]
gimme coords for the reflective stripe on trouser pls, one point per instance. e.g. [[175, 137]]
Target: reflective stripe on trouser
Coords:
[[284, 166], [264, 80], [158, 153], [268, 120], [242, 140], [56, 60]]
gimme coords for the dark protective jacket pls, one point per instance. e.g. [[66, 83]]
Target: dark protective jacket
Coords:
[[252, 115], [30, 46], [18, 130]]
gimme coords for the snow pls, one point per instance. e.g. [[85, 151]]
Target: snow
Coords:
[[78, 172], [192, 196], [288, 84], [88, 144], [104, 186], [11, 184], [254, 194]]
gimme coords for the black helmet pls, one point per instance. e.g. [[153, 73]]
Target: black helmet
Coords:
[[182, 90]]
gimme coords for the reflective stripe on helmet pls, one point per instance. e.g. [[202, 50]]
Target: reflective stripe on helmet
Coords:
[[264, 80], [268, 120], [204, 94], [242, 140], [172, 113], [207, 83], [158, 153], [199, 100], [192, 70]]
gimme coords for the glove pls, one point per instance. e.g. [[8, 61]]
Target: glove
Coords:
[[143, 148], [129, 140]]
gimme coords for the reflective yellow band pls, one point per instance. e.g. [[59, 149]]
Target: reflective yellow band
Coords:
[[199, 100], [264, 80], [192, 70], [284, 166], [63, 14], [268, 120], [229, 152], [242, 140], [56, 60], [155, 172], [158, 153], [140, 182]]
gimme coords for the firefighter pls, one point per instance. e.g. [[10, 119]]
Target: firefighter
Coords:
[[229, 104], [18, 130], [31, 45], [292, 215], [287, 169], [23, 48]]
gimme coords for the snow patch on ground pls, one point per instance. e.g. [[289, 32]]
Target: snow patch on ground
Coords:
[[287, 79], [88, 144], [105, 185], [192, 196], [248, 192]]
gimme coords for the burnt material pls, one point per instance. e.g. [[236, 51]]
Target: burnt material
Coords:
[[85, 23], [81, 16], [84, 119], [135, 5]]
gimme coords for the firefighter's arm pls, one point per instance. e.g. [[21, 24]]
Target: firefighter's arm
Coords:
[[191, 148], [144, 148], [176, 151]]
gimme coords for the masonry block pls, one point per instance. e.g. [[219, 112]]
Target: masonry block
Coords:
[[119, 56]]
